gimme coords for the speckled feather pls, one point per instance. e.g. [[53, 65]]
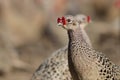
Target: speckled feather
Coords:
[[89, 63], [54, 68]]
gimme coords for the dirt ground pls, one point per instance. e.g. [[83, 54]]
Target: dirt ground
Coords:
[[31, 54]]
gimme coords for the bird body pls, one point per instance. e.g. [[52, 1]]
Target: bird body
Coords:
[[87, 62], [90, 64], [78, 60], [56, 67]]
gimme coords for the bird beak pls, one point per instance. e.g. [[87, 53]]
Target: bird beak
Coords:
[[60, 24]]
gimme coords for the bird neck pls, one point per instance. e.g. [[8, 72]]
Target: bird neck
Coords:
[[73, 38], [76, 55], [78, 36], [86, 38]]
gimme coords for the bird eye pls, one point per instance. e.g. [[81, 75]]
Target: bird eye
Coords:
[[68, 20]]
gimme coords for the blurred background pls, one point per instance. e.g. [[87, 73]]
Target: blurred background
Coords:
[[29, 33]]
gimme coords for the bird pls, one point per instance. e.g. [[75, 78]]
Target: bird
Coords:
[[56, 66], [84, 60]]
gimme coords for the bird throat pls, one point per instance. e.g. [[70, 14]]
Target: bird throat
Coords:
[[76, 35], [76, 40]]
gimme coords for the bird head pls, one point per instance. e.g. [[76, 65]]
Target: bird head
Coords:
[[83, 20], [73, 22]]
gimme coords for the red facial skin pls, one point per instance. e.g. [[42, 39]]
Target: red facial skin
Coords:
[[88, 19], [58, 20], [61, 20]]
